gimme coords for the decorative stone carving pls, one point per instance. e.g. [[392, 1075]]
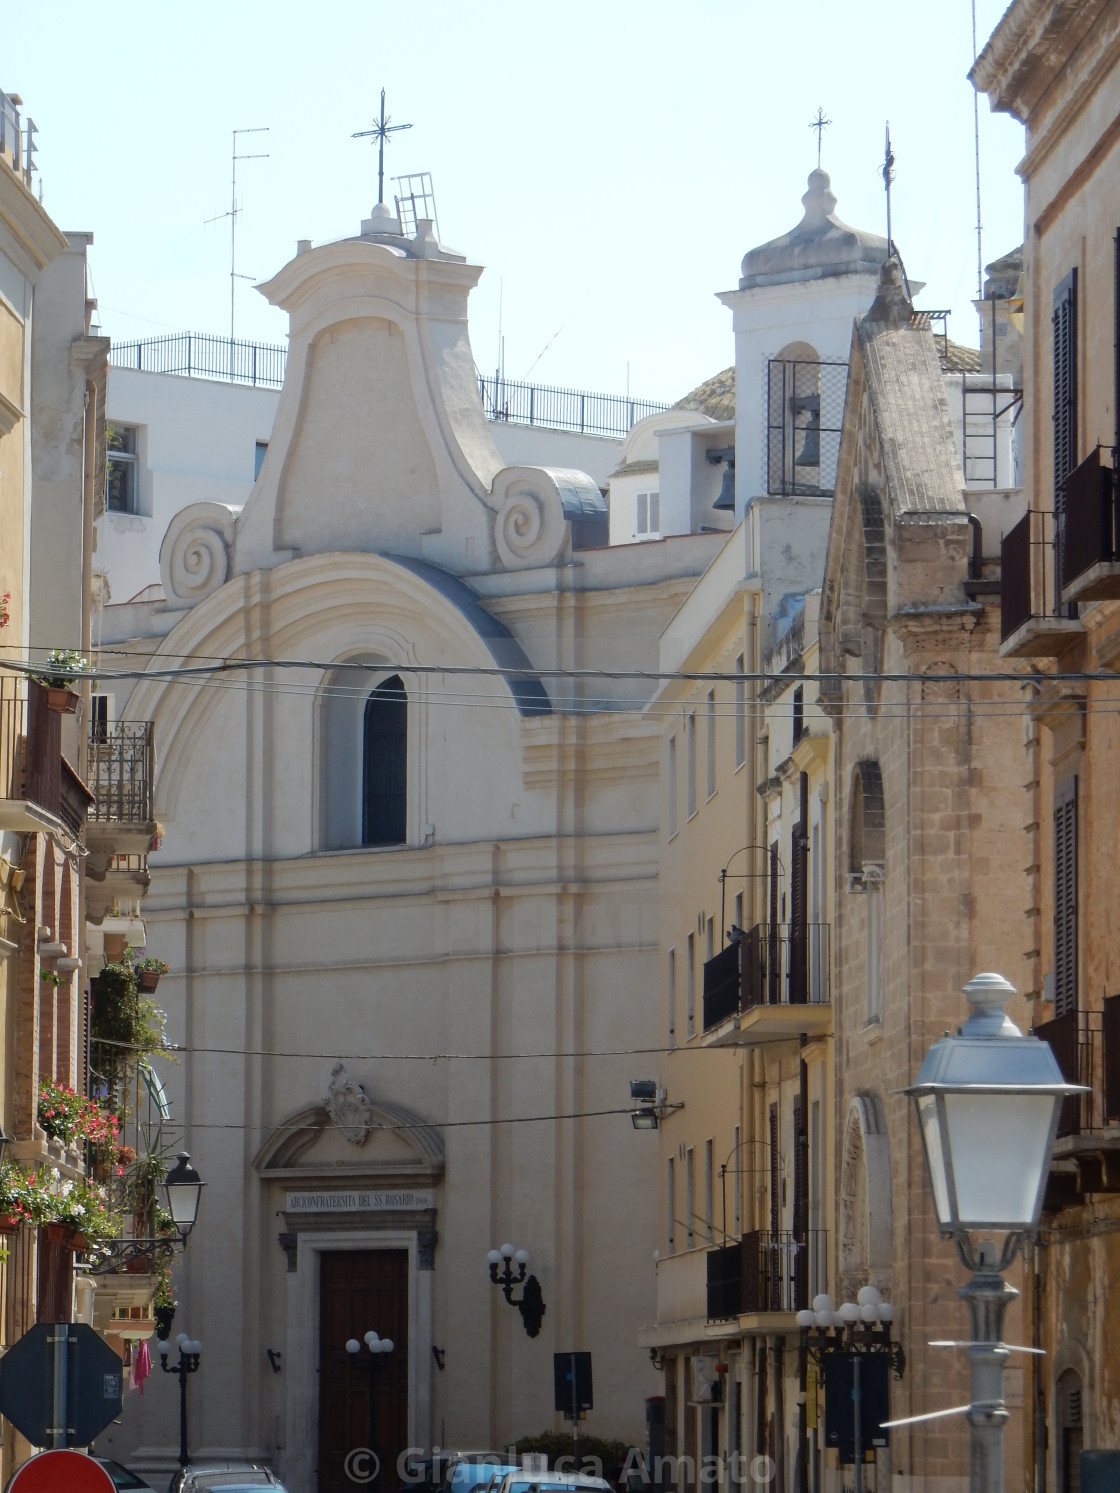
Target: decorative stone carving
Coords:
[[530, 527], [426, 1249], [194, 558], [348, 1105], [865, 1193], [289, 1243]]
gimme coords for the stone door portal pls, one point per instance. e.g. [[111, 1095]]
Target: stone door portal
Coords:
[[363, 1398]]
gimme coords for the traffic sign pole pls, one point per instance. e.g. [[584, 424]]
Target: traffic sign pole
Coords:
[[61, 1342]]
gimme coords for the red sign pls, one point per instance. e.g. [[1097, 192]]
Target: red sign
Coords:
[[61, 1472]]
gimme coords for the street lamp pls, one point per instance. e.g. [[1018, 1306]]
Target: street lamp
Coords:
[[988, 1102], [531, 1303], [379, 1350], [184, 1187], [190, 1355]]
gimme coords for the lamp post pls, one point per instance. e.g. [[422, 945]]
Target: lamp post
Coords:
[[987, 1103], [190, 1355], [379, 1350], [183, 1188]]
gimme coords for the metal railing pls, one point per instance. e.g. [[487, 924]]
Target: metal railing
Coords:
[[30, 745], [122, 773], [17, 140], [1091, 522], [1029, 572], [766, 1272], [804, 414], [774, 964], [562, 409], [1086, 1045], [199, 355], [263, 365]]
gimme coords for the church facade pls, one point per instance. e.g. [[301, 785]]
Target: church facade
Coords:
[[407, 887]]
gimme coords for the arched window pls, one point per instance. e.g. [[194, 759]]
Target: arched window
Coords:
[[384, 764]]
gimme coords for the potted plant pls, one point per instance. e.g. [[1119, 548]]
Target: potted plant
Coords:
[[62, 667], [16, 1202], [148, 973]]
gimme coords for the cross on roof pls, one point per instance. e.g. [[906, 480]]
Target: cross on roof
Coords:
[[382, 129], [820, 124]]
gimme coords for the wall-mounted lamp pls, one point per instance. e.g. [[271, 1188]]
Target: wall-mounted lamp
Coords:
[[650, 1100], [274, 1358], [656, 1358], [531, 1303]]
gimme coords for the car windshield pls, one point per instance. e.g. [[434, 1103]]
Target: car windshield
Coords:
[[121, 1476]]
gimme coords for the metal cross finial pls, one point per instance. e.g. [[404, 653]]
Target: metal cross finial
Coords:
[[887, 173], [820, 124], [382, 129]]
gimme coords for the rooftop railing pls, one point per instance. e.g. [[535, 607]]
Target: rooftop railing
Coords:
[[17, 138], [263, 365]]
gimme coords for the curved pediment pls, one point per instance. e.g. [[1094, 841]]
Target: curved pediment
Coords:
[[398, 1146]]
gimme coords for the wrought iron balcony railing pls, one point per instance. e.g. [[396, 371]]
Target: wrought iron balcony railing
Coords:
[[1090, 547], [1087, 1047], [34, 775], [774, 964], [766, 1272], [122, 773]]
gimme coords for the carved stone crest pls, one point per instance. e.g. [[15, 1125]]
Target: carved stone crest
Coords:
[[348, 1105]]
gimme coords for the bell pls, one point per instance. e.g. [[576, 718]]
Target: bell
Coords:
[[810, 454], [725, 503]]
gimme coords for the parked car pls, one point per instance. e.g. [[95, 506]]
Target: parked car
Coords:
[[124, 1479], [553, 1482], [224, 1476]]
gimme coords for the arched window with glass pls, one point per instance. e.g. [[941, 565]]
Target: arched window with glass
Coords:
[[385, 764]]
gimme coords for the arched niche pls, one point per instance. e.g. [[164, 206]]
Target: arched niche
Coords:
[[399, 1146], [866, 1229], [867, 818]]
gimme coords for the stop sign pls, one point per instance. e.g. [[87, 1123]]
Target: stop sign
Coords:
[[61, 1472]]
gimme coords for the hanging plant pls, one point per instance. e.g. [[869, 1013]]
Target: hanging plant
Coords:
[[5, 618], [51, 977]]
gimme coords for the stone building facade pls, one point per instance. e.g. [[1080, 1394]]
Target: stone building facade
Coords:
[[928, 783], [1057, 69]]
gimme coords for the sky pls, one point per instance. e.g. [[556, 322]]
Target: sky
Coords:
[[607, 162]]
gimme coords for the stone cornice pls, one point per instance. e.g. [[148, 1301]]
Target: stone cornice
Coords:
[[10, 414], [934, 626], [1029, 49], [37, 239]]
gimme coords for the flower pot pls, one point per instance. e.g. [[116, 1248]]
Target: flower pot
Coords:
[[9, 1223], [148, 980], [57, 1233], [59, 698], [77, 1242]]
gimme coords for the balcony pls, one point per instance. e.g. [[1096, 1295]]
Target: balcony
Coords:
[[39, 790], [769, 986], [1032, 622], [121, 826], [1086, 1158], [766, 1274], [1091, 533]]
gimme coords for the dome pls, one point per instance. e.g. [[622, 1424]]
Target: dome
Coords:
[[818, 247]]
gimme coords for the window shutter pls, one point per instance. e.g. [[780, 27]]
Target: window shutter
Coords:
[[1065, 899], [773, 971], [799, 903], [775, 1175], [1065, 385]]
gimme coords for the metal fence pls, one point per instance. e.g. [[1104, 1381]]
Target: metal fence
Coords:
[[262, 365], [562, 409], [766, 1272], [1091, 522], [804, 413], [198, 355], [773, 964]]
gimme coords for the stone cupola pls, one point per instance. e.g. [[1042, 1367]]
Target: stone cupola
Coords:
[[820, 246]]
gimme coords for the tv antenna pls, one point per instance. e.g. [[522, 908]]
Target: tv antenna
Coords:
[[415, 199], [382, 129], [232, 216], [820, 124], [887, 173]]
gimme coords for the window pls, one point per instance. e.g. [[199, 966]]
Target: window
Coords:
[[120, 480], [258, 458], [690, 1011], [1065, 385], [670, 1207], [711, 742], [739, 914], [690, 765], [798, 713], [672, 786], [689, 1195], [1065, 898], [709, 1186], [740, 713], [384, 759], [672, 981], [648, 516]]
